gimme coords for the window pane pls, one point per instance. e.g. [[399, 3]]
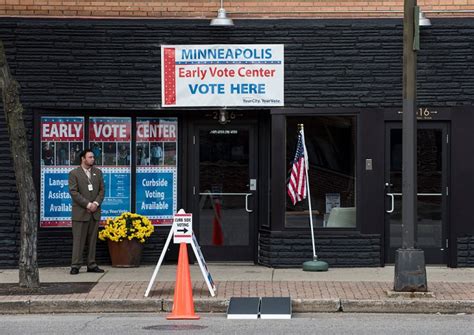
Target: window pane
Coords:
[[330, 143], [62, 140], [156, 169], [110, 140]]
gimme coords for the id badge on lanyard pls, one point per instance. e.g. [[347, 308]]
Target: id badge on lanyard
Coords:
[[90, 187]]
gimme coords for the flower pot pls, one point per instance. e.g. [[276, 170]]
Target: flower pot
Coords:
[[125, 254]]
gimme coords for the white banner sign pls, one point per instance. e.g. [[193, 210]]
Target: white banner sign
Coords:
[[222, 75]]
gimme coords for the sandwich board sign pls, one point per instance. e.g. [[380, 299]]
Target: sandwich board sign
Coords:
[[202, 264], [182, 232]]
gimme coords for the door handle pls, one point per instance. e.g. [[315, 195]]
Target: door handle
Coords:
[[392, 201], [247, 203]]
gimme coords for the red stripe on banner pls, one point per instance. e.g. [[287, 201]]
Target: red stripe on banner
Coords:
[[50, 223], [164, 222], [170, 76]]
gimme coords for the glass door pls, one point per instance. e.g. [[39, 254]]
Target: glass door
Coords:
[[225, 188], [431, 226]]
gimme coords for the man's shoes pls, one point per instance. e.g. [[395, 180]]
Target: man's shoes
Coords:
[[96, 270], [74, 271]]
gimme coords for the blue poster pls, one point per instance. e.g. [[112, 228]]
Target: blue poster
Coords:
[[117, 191], [110, 142], [156, 158], [62, 140], [155, 194], [55, 199]]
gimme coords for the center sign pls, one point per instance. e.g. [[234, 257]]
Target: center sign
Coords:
[[222, 75]]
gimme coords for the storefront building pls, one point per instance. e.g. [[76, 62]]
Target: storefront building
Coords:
[[99, 83]]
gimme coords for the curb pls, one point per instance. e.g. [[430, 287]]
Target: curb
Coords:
[[315, 305], [425, 306], [201, 305], [15, 307], [94, 306]]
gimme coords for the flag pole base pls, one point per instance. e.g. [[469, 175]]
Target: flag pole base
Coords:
[[315, 266]]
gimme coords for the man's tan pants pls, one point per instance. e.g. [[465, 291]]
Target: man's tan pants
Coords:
[[82, 231]]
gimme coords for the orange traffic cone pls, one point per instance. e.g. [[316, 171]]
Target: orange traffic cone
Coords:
[[183, 304]]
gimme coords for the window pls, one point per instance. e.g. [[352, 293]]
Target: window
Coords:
[[331, 146], [62, 140], [149, 158]]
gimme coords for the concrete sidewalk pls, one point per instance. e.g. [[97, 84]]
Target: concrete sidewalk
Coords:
[[347, 290]]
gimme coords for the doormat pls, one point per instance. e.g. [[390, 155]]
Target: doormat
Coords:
[[254, 307], [47, 288], [243, 308]]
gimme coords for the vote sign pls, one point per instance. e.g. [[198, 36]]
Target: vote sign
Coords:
[[110, 129], [182, 228]]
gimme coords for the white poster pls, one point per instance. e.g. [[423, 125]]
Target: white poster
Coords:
[[222, 75], [332, 200]]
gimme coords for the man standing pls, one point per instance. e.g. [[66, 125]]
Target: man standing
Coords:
[[86, 186]]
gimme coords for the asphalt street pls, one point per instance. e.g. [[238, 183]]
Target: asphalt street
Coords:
[[321, 323]]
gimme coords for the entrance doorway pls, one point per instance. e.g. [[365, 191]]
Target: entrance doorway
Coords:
[[224, 178], [432, 169]]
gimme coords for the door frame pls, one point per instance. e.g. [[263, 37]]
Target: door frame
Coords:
[[194, 126], [444, 126]]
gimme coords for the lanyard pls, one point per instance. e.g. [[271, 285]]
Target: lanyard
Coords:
[[88, 172]]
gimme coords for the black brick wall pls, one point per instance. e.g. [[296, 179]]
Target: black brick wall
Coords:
[[465, 251], [291, 249], [103, 65]]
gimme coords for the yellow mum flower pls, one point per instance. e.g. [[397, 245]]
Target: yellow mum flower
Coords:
[[127, 226]]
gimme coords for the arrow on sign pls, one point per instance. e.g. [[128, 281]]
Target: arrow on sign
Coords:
[[184, 230]]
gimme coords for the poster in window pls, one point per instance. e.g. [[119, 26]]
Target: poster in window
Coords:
[[156, 171], [62, 140], [332, 200], [110, 141]]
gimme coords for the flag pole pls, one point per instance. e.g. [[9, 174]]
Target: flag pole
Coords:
[[313, 265], [306, 167]]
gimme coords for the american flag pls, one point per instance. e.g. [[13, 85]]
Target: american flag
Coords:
[[297, 184]]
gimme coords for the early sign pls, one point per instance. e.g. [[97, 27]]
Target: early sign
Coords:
[[183, 228]]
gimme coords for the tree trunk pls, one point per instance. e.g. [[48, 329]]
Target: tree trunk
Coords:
[[28, 265]]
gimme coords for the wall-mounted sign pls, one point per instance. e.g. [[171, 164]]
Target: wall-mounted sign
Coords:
[[222, 75], [423, 113], [62, 140]]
